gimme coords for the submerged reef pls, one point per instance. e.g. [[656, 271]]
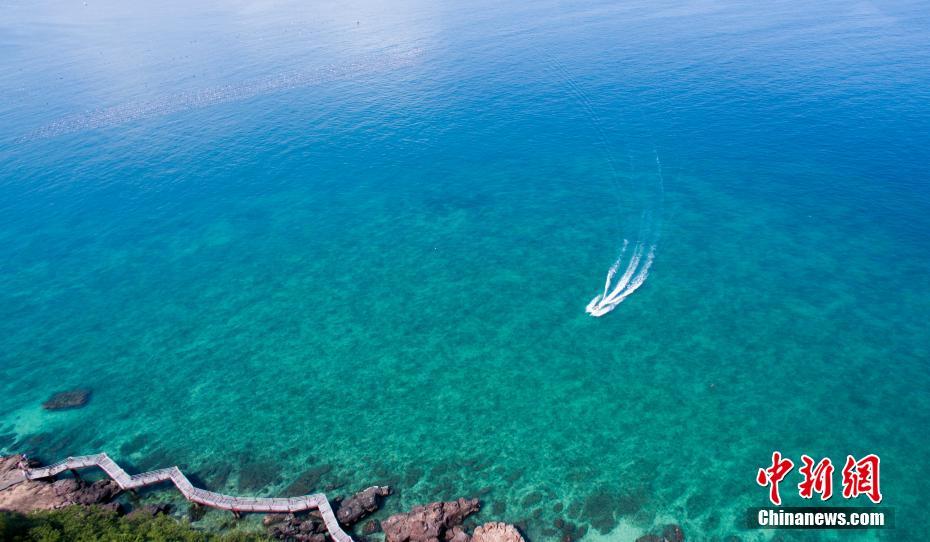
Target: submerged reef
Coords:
[[67, 399]]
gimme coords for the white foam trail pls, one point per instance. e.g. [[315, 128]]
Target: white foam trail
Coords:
[[613, 269], [627, 275], [637, 271], [119, 114], [639, 279]]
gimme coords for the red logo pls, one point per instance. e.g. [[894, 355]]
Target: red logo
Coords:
[[859, 477], [817, 479], [773, 475]]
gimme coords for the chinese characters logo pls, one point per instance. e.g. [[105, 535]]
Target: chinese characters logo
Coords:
[[859, 477]]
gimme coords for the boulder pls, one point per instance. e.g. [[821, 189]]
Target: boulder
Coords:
[[99, 492], [18, 494], [361, 504], [299, 529], [496, 532], [429, 523], [273, 519], [67, 399]]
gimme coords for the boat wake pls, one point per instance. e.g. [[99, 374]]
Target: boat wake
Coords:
[[637, 266], [635, 274], [635, 187]]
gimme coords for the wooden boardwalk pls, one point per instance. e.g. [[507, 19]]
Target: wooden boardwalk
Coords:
[[237, 505]]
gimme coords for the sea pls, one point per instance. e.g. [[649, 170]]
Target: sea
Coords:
[[315, 246]]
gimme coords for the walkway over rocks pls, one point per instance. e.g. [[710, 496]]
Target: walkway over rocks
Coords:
[[237, 505]]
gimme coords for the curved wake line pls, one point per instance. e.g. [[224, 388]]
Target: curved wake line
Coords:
[[120, 114], [635, 275], [637, 270]]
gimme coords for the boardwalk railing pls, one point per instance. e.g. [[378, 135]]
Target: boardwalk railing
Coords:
[[317, 501]]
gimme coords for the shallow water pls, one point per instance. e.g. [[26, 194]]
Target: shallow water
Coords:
[[347, 245]]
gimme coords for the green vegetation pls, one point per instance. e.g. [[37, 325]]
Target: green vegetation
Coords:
[[91, 524]]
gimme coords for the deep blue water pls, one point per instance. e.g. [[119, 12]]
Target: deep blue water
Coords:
[[280, 237]]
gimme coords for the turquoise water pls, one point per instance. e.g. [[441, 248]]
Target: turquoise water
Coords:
[[297, 248]]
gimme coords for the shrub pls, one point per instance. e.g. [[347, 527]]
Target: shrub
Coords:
[[92, 524]]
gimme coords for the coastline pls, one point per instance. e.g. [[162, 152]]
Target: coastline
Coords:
[[27, 487]]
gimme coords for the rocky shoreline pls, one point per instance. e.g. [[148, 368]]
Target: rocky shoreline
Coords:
[[433, 522], [17, 494]]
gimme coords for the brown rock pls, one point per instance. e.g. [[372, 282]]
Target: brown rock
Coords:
[[299, 529], [273, 519], [361, 504], [496, 532], [456, 534], [99, 492], [371, 527], [428, 523], [18, 494]]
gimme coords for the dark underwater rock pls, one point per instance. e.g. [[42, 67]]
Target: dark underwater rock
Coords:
[[255, 475], [599, 508], [67, 399], [574, 509], [308, 481], [429, 523], [216, 475], [673, 533], [134, 444], [670, 533], [532, 499], [412, 476]]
